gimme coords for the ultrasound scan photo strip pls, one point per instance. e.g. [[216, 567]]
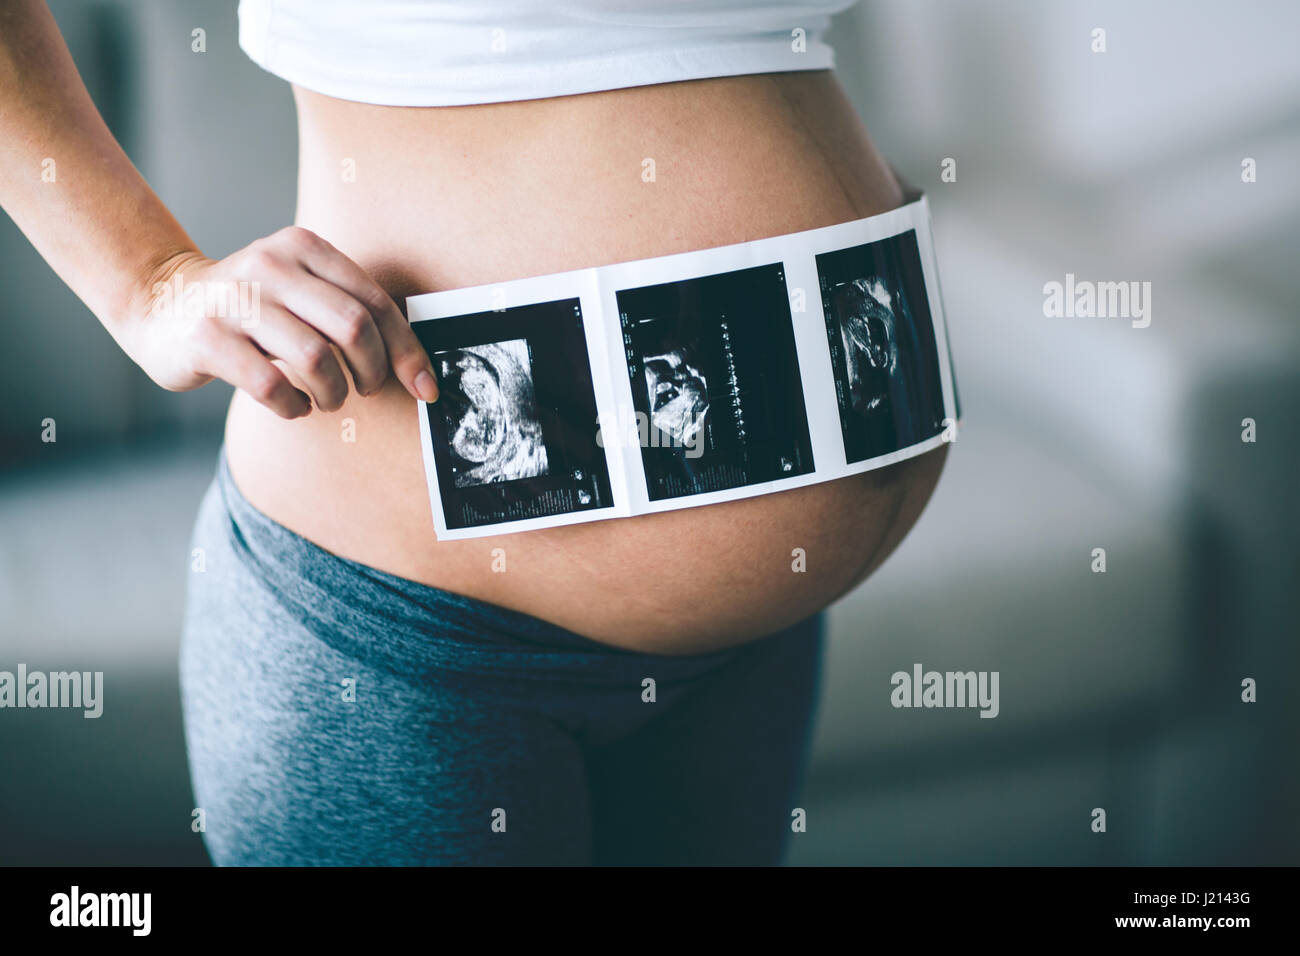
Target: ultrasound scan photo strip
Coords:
[[687, 379]]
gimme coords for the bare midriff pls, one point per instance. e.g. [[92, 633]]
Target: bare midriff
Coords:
[[439, 198]]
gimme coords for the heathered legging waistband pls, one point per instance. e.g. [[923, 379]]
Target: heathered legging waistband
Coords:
[[427, 631]]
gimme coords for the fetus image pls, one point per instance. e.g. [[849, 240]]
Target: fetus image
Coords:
[[884, 351], [870, 342], [490, 407], [679, 401]]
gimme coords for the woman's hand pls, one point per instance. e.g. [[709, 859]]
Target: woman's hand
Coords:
[[291, 297]]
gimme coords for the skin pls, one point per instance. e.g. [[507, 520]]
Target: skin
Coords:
[[452, 197]]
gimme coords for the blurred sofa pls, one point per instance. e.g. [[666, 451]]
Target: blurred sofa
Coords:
[[1118, 690]]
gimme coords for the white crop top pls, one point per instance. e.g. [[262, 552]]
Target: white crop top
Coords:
[[427, 53]]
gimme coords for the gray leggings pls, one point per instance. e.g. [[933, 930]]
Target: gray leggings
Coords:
[[338, 715]]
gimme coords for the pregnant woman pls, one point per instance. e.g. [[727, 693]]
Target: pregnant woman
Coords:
[[355, 691]]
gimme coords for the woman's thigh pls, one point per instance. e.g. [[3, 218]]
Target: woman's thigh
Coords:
[[715, 777], [290, 771]]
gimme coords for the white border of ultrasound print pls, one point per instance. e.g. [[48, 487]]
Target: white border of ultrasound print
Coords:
[[596, 289]]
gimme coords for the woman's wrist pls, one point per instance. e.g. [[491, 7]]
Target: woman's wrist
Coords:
[[148, 296]]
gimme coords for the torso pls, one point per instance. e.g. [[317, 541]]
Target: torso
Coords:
[[460, 196]]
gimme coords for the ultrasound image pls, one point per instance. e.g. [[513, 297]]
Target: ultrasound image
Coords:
[[491, 411], [717, 358], [678, 393], [882, 343], [511, 433], [870, 342]]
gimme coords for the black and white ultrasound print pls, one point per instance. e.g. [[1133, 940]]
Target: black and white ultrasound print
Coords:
[[883, 351], [513, 429], [490, 407], [715, 380]]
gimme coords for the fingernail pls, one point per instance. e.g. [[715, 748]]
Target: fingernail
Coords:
[[425, 387]]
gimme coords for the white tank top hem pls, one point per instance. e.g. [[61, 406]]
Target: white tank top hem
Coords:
[[425, 55]]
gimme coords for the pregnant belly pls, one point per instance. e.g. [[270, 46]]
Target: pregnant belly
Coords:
[[430, 199]]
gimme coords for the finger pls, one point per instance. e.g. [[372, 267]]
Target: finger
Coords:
[[345, 321], [406, 356], [283, 335], [239, 362], [410, 362]]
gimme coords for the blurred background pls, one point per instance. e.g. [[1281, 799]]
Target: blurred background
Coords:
[[1118, 690]]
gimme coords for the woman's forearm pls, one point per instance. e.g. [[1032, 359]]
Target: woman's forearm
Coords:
[[67, 183]]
